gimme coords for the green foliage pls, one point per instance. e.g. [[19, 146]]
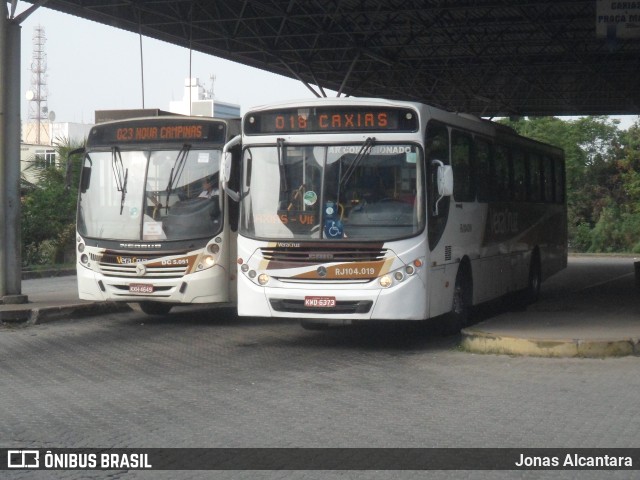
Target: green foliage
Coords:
[[603, 179], [48, 213]]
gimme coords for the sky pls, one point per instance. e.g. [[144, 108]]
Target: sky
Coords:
[[91, 67]]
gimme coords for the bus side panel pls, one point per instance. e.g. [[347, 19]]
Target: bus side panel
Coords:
[[461, 238], [441, 283], [491, 276], [498, 239]]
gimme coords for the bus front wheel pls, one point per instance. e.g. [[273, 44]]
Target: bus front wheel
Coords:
[[460, 314]]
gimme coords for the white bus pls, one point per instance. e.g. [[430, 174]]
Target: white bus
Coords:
[[366, 209], [152, 227]]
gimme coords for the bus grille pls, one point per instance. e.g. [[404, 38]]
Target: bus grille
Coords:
[[325, 253], [342, 307], [110, 267]]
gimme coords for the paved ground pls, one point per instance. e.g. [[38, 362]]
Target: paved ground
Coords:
[[591, 309], [205, 378]]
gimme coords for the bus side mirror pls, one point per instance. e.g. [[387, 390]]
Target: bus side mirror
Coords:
[[85, 179], [225, 168], [444, 180], [69, 170]]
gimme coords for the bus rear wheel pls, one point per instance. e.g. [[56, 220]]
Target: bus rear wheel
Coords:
[[532, 292], [155, 308]]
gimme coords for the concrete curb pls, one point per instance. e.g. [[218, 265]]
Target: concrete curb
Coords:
[[40, 315], [475, 341], [52, 272]]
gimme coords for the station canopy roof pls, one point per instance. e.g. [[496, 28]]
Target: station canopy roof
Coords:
[[491, 58]]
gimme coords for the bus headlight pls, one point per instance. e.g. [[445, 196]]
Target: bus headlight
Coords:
[[263, 279], [207, 262], [84, 258], [385, 281], [399, 276], [413, 266], [213, 248]]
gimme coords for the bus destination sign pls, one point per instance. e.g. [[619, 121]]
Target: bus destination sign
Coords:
[[331, 119], [169, 131]]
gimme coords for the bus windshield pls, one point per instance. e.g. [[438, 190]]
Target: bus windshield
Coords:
[[368, 191], [142, 195]]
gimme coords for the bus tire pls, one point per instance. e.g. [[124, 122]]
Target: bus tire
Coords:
[[461, 308], [155, 308], [532, 292]]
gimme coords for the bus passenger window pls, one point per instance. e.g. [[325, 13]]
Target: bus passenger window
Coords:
[[519, 178], [547, 180], [483, 165], [534, 180], [461, 161], [558, 178], [437, 143], [501, 179]]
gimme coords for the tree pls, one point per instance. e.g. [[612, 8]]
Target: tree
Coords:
[[48, 213]]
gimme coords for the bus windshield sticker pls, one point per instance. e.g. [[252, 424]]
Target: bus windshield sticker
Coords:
[[310, 198]]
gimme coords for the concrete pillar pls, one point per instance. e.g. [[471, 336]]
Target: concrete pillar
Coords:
[[4, 22], [10, 211], [12, 149]]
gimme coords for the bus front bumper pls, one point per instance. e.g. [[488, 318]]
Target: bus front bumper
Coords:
[[406, 300], [193, 288]]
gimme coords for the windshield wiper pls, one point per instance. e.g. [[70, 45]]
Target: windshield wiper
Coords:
[[176, 171], [364, 152], [120, 174], [283, 177]]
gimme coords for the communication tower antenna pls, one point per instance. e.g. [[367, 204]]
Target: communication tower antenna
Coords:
[[37, 94], [213, 81]]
